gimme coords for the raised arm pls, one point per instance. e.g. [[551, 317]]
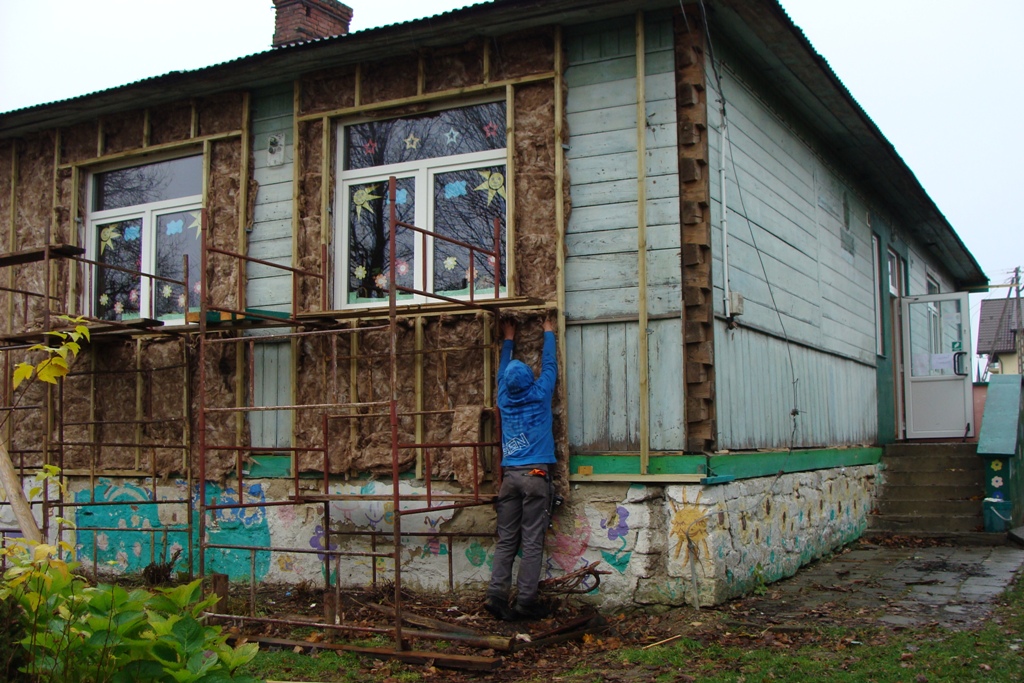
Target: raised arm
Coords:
[[549, 361], [508, 328]]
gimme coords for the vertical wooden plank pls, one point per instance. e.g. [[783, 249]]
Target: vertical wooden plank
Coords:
[[257, 419], [12, 241], [510, 188], [559, 201], [618, 389], [575, 396], [297, 176], [325, 183], [243, 187], [418, 386], [633, 384], [666, 372], [283, 418], [641, 239], [595, 379], [73, 239]]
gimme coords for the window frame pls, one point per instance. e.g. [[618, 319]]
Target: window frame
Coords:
[[148, 212], [423, 172]]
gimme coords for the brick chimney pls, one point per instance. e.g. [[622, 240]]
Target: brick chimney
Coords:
[[301, 20]]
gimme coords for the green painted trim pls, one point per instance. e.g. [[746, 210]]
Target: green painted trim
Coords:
[[750, 465], [270, 467], [733, 465]]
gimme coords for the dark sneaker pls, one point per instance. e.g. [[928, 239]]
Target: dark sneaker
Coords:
[[532, 610], [499, 608]]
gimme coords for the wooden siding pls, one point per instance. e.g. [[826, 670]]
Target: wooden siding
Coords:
[[602, 369], [271, 429], [266, 287], [795, 224], [271, 236], [834, 396], [601, 243], [800, 254]]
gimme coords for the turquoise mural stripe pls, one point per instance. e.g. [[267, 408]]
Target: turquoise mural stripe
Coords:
[[124, 529]]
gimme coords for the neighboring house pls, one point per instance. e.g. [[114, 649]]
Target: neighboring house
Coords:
[[727, 377], [998, 327]]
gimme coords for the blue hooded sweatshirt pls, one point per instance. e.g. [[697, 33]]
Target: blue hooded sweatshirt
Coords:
[[525, 406]]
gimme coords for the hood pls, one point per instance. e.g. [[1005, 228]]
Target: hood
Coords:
[[518, 377]]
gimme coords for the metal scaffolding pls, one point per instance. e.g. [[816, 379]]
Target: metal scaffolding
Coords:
[[218, 324]]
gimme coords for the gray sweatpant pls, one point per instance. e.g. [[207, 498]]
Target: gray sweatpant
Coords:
[[524, 504]]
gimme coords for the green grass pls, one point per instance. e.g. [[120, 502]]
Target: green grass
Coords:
[[324, 665]]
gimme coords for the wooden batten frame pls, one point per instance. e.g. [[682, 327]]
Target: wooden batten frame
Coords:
[[357, 96], [93, 449], [325, 187], [12, 244], [193, 131], [76, 178], [186, 430], [100, 147], [52, 271], [140, 388], [294, 342], [353, 384], [296, 181], [488, 366], [560, 204], [421, 74], [147, 127], [150, 151], [207, 161], [510, 189], [243, 190], [641, 246], [241, 397], [241, 239], [487, 61], [418, 388], [440, 95]]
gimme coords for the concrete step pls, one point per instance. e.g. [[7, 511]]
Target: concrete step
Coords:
[[909, 524], [918, 450], [952, 477], [930, 463], [933, 493], [929, 507]]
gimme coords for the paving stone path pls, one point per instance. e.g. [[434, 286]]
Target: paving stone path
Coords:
[[951, 586]]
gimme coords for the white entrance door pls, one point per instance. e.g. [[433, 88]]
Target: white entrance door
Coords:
[[937, 366]]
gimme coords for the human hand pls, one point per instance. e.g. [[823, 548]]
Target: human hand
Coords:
[[508, 327], [548, 325]]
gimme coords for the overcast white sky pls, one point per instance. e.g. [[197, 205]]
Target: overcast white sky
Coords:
[[942, 79]]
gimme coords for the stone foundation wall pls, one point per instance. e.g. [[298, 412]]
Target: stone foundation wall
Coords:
[[659, 544]]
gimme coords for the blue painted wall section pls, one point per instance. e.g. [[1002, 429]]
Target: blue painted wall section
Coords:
[[124, 531]]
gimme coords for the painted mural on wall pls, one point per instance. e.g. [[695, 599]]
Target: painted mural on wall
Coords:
[[125, 531], [651, 541]]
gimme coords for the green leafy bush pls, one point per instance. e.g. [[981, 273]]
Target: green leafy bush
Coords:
[[77, 633]]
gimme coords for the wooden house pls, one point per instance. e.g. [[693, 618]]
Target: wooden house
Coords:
[[726, 239]]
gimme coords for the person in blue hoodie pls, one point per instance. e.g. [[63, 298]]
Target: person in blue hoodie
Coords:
[[528, 455]]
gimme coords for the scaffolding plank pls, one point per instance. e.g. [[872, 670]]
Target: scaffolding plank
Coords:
[[18, 258]]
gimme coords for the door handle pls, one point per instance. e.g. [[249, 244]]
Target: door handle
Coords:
[[958, 364]]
